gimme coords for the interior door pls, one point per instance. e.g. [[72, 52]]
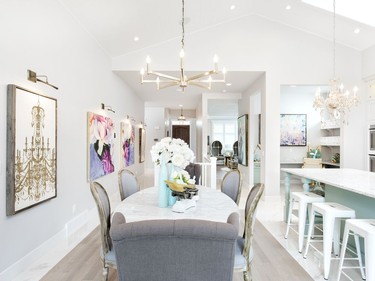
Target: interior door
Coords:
[[181, 132]]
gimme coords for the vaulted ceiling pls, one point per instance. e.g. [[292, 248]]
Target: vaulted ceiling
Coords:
[[115, 23]]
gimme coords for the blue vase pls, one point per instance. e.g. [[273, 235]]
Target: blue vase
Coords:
[[163, 189]]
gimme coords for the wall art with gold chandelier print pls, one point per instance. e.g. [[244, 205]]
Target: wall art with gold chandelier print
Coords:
[[31, 149]]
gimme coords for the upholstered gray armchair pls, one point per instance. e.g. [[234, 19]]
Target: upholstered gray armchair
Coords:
[[103, 205], [232, 185], [244, 249], [128, 183], [171, 250]]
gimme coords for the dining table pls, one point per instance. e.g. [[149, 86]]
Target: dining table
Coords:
[[212, 205]]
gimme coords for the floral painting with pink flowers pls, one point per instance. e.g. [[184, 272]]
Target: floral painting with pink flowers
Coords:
[[127, 144], [100, 146]]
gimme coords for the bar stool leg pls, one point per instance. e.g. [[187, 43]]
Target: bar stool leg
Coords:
[[336, 237], [291, 202], [370, 258], [309, 233], [358, 249], [301, 225], [343, 251], [328, 224]]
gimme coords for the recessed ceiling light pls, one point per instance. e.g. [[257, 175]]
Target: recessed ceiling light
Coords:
[[136, 38], [232, 7], [224, 91], [229, 84], [357, 30], [288, 7]]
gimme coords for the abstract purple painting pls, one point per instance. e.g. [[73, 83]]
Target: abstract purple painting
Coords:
[[127, 144], [100, 145]]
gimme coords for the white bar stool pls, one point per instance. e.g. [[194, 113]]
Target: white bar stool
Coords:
[[366, 229], [305, 199], [332, 214]]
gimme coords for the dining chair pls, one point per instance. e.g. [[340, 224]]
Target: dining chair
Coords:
[[231, 185], [170, 250], [107, 254], [194, 170], [128, 183], [244, 251]]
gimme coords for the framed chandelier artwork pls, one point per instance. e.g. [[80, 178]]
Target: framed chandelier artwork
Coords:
[[127, 137], [31, 149], [100, 145]]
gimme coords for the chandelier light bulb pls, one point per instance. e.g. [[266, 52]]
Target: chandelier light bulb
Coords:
[[142, 71], [182, 53], [148, 60], [216, 59]]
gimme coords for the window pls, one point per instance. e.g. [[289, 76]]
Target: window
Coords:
[[224, 131]]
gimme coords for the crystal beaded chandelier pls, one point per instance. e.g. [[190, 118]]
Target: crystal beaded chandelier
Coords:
[[203, 80], [338, 101]]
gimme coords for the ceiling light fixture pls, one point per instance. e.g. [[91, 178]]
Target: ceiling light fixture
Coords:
[[337, 104], [181, 117], [203, 80], [136, 38], [288, 7], [357, 30], [232, 7]]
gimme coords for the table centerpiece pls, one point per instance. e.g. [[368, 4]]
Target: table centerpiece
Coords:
[[171, 155]]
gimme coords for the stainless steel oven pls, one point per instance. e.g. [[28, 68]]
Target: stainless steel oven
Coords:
[[372, 139], [371, 163]]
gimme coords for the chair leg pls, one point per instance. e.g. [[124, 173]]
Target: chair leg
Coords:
[[359, 255], [105, 272], [245, 276]]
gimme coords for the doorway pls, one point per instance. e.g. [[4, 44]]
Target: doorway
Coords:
[[181, 132]]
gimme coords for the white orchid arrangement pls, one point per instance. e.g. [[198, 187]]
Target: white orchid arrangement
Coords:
[[182, 177], [176, 152]]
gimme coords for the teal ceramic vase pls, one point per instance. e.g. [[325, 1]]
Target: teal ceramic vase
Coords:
[[163, 189]]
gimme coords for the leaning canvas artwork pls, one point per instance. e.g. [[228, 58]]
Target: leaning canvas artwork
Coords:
[[127, 144], [31, 149], [100, 145]]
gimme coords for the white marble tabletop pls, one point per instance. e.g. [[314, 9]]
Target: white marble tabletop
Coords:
[[358, 181], [212, 205]]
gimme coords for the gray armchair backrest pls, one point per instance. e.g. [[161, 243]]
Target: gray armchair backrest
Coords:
[[174, 250], [232, 185], [128, 183], [250, 214], [194, 170], [104, 209]]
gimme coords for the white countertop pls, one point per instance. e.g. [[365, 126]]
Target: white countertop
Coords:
[[213, 205], [358, 181]]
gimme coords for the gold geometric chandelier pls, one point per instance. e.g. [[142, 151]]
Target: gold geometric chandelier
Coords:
[[203, 80], [337, 104]]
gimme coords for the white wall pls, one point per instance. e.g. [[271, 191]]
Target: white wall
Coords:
[[155, 118], [298, 100], [40, 35], [250, 105]]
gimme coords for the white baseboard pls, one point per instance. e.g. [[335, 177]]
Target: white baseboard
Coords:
[[35, 264]]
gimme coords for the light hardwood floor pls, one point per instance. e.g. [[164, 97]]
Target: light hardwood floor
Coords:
[[271, 262]]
